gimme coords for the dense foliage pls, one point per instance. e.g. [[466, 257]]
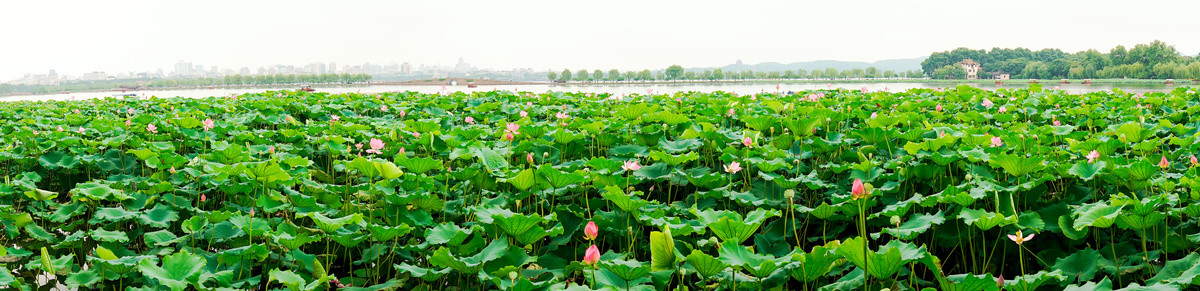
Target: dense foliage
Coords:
[[1155, 60], [958, 189]]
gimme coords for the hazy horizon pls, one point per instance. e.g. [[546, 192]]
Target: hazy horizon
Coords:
[[76, 37]]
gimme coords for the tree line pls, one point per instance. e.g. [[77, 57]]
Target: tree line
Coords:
[[1155, 60], [676, 72]]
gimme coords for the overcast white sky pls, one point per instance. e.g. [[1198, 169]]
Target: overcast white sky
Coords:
[[75, 37]]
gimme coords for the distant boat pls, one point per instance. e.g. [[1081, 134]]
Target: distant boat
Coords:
[[307, 89], [472, 85]]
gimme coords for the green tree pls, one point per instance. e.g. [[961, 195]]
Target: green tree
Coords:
[[718, 74], [614, 75], [674, 72], [950, 72], [645, 75], [597, 75], [565, 75], [581, 76], [551, 76]]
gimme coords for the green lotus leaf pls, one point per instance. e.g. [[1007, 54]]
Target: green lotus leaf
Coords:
[[177, 272], [706, 265], [662, 250]]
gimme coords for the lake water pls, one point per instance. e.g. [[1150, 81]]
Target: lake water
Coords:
[[741, 88]]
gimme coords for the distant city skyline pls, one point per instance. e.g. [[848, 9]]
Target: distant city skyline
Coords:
[[81, 37]]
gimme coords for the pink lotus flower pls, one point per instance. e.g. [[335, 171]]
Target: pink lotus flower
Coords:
[[987, 103], [416, 134], [1003, 109], [1056, 123], [60, 128], [730, 113], [128, 122], [864, 89], [271, 149], [1019, 239], [996, 141], [76, 111], [35, 132], [747, 142], [508, 136], [335, 118], [358, 146], [401, 151], [129, 111], [733, 167], [251, 211], [80, 130], [524, 114], [1092, 156], [561, 115], [151, 128], [529, 157], [591, 231], [1164, 163], [209, 124], [1000, 282], [858, 190], [938, 107], [383, 108], [376, 146], [1194, 161], [592, 256], [172, 169], [512, 127], [403, 113], [874, 114], [631, 165], [203, 197], [469, 120]]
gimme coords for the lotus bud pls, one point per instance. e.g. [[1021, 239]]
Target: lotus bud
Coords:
[[895, 220], [203, 197], [591, 231], [789, 194], [858, 190], [172, 170], [529, 157]]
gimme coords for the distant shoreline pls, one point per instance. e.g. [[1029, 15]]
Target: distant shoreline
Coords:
[[463, 82]]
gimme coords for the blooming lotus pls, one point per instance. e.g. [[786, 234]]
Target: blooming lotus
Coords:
[[508, 136], [151, 128], [996, 141], [730, 113], [416, 134], [747, 142], [874, 114], [631, 166], [591, 256], [1163, 163], [383, 108], [358, 146], [80, 130], [129, 111], [512, 127], [376, 146], [733, 167], [209, 124], [1092, 156], [1003, 109], [271, 149], [987, 103], [561, 115], [1056, 123], [858, 190], [524, 114], [335, 118], [591, 231], [60, 128], [938, 107], [403, 113], [469, 120], [1019, 239]]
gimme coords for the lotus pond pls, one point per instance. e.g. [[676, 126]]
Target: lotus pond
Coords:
[[957, 189]]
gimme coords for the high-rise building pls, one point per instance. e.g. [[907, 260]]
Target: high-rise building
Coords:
[[333, 69], [183, 68], [405, 68]]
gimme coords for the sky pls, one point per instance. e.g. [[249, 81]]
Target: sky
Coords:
[[76, 37]]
